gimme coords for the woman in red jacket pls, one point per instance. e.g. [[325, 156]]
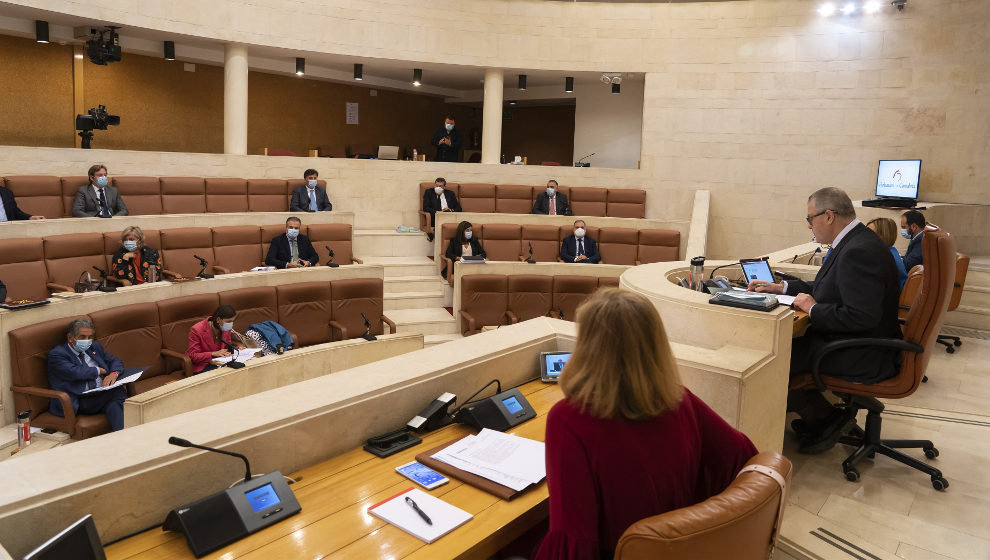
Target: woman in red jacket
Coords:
[[628, 441], [205, 338]]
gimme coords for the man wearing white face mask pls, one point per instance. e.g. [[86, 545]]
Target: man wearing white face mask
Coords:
[[439, 199], [579, 247], [292, 250], [912, 228], [83, 364], [98, 198], [448, 141], [551, 202], [309, 197]]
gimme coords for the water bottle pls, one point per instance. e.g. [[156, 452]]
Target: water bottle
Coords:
[[152, 273], [415, 155], [698, 274], [23, 429]]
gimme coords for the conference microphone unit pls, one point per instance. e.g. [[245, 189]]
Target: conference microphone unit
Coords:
[[330, 262], [367, 329], [530, 260], [230, 515], [202, 272], [580, 162], [233, 363], [104, 286], [560, 311]]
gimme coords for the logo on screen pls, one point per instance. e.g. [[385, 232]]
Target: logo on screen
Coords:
[[896, 177]]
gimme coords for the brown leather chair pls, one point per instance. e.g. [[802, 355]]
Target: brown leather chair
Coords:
[[569, 292], [68, 256], [920, 328], [176, 317], [304, 309], [336, 237], [514, 199], [22, 268], [183, 195], [962, 266], [253, 305], [226, 195], [501, 241], [618, 245], [37, 195], [180, 246], [70, 185], [529, 296], [626, 203], [608, 282], [484, 301], [447, 232], [133, 333], [424, 216], [367, 150], [477, 197], [268, 195], [111, 243], [563, 232], [237, 248], [545, 242], [741, 522], [910, 291], [271, 231], [332, 150], [587, 201], [141, 195], [349, 298], [658, 245], [29, 348]]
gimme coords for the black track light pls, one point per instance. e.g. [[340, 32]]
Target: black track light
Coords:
[[522, 82], [417, 77], [300, 66], [41, 31], [615, 89], [169, 50], [568, 84], [359, 72]]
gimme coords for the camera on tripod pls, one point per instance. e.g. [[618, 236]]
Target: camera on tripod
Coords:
[[95, 119]]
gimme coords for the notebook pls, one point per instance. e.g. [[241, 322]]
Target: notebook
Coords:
[[398, 512]]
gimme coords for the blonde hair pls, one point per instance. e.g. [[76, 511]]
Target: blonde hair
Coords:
[[885, 228], [622, 366], [136, 231]]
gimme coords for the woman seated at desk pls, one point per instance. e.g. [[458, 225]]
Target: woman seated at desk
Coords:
[[463, 244], [134, 262], [887, 230], [628, 441], [207, 337]]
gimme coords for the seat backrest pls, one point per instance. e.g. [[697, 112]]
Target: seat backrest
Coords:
[[237, 248], [253, 305], [111, 240], [618, 245], [351, 297], [736, 523], [626, 203], [423, 187], [588, 201], [514, 199], [477, 197], [608, 282], [501, 241], [484, 297], [543, 238], [29, 348], [22, 268], [658, 245], [177, 315], [133, 334], [141, 195], [37, 195], [910, 290], [271, 231], [70, 185], [304, 310], [226, 195], [179, 245], [183, 195], [569, 292], [334, 236], [268, 195], [962, 266], [68, 256], [530, 295]]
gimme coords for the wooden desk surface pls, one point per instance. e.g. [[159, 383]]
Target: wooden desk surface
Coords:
[[801, 322], [336, 494]]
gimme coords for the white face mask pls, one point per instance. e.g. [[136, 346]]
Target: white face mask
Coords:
[[227, 326], [579, 232], [130, 245], [905, 234], [449, 127], [438, 190], [549, 191], [311, 183], [292, 233], [467, 235]]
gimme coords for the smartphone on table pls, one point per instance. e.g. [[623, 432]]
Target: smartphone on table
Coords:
[[422, 475]]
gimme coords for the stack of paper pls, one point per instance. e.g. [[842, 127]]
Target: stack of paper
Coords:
[[443, 517], [502, 458], [241, 355]]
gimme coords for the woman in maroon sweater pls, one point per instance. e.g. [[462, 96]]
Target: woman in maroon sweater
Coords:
[[628, 441]]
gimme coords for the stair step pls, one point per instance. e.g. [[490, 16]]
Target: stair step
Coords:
[[435, 339], [969, 317], [398, 284], [404, 266], [975, 296], [413, 300], [423, 321], [389, 243]]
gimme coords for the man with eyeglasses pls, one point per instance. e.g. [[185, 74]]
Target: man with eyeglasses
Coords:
[[854, 295]]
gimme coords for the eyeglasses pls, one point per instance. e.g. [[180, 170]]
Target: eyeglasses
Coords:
[[809, 218]]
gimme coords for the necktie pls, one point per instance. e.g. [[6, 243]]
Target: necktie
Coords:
[[294, 249], [89, 382], [827, 253], [580, 247], [103, 203], [312, 200], [553, 206], [3, 212]]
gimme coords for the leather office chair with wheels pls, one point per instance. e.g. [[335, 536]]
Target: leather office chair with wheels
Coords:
[[921, 326], [962, 266]]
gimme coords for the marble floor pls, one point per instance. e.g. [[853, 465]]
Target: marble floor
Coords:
[[893, 511]]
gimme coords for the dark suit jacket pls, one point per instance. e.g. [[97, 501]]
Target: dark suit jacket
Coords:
[[455, 249], [912, 257], [568, 250], [279, 252], [10, 206], [3, 291], [542, 205], [87, 205], [67, 373], [431, 201], [300, 200], [445, 152], [857, 293]]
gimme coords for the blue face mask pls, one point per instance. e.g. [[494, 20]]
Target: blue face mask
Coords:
[[905, 234], [311, 183], [83, 345], [130, 245], [467, 235], [449, 127], [227, 326], [101, 181], [292, 233], [549, 191]]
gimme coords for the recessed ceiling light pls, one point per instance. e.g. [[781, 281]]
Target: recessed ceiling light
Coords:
[[826, 9]]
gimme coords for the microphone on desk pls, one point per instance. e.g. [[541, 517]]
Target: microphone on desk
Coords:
[[330, 262], [104, 287], [530, 260], [812, 257], [579, 163], [232, 364], [367, 329], [560, 311], [186, 443], [202, 272], [712, 275], [794, 259]]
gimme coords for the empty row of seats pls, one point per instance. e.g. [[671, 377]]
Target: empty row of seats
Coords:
[[34, 267], [519, 199], [52, 197], [498, 299], [157, 335]]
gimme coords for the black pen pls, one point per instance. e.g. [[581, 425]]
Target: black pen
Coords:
[[419, 511]]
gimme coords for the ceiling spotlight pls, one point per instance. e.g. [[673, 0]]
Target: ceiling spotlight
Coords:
[[512, 102], [871, 7], [359, 72], [522, 82], [848, 8], [899, 4], [169, 50], [417, 77], [615, 88], [300, 66], [41, 31], [826, 9], [617, 80], [568, 84]]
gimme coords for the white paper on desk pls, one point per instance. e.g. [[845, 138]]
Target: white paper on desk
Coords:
[[120, 381], [517, 484], [444, 516], [241, 355], [510, 455], [472, 261], [785, 300], [262, 268]]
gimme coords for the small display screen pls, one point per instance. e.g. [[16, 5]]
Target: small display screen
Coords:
[[757, 270], [421, 474], [262, 497], [898, 178], [555, 363], [512, 404]]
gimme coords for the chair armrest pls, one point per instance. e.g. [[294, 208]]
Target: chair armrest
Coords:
[[220, 270], [186, 361], [357, 260], [424, 221], [637, 262], [895, 343], [63, 398], [295, 340], [52, 287], [512, 317], [339, 327], [450, 270], [168, 273], [470, 321], [390, 323]]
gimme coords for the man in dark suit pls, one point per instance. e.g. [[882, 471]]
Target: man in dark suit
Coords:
[[83, 364], [854, 295], [309, 197], [9, 210], [98, 198], [3, 292], [439, 199], [912, 227], [552, 202], [448, 141], [292, 250], [579, 247]]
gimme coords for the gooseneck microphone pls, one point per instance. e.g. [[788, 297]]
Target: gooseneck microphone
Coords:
[[232, 364], [530, 260], [330, 262], [367, 329], [794, 259], [202, 272], [712, 275], [560, 311], [104, 286], [812, 257], [186, 443]]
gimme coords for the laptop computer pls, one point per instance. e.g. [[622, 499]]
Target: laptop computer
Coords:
[[551, 364], [388, 152]]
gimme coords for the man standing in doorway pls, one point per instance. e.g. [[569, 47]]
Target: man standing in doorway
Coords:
[[448, 141]]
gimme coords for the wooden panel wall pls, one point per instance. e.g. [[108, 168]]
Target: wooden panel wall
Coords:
[[540, 134], [36, 88]]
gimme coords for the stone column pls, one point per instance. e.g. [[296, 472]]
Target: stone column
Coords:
[[235, 99], [491, 131]]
